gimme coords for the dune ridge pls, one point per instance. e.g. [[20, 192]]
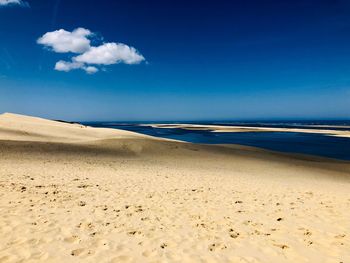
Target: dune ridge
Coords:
[[71, 193], [27, 128]]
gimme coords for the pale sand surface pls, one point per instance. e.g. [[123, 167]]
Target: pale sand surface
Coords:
[[220, 128], [69, 193], [25, 128]]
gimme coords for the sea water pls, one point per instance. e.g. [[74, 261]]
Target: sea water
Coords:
[[291, 142]]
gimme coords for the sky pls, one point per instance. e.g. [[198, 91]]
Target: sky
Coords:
[[100, 60]]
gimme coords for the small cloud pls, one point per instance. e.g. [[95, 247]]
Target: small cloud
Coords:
[[90, 69], [62, 41], [110, 53], [77, 41], [13, 2], [67, 66]]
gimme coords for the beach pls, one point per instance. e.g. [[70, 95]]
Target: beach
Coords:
[[72, 193]]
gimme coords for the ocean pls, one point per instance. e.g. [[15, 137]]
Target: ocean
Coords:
[[290, 142]]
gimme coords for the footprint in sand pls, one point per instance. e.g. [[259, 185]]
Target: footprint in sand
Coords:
[[80, 252], [148, 253], [233, 234], [217, 246], [282, 246], [72, 239]]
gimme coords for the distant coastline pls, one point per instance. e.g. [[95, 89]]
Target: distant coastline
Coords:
[[329, 141]]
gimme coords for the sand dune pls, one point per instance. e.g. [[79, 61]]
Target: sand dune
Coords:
[[70, 193], [26, 128]]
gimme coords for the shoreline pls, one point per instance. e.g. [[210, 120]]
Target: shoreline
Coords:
[[218, 128]]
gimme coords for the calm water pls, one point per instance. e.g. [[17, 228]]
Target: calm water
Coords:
[[293, 142]]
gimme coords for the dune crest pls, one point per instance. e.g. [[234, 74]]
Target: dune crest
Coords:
[[28, 128]]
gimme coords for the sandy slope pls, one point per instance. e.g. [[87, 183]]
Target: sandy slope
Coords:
[[70, 193], [26, 128]]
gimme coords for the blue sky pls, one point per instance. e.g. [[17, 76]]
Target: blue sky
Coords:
[[193, 60]]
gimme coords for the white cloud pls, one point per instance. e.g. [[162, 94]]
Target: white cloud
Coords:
[[68, 66], [110, 53], [90, 69], [77, 41], [62, 41], [13, 2]]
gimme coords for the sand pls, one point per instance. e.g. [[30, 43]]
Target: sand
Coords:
[[70, 193]]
